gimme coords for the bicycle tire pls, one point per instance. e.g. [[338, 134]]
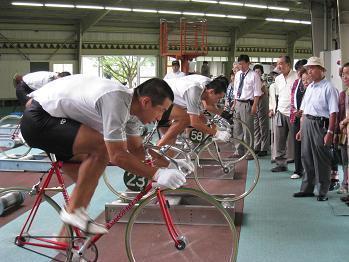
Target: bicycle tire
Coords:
[[216, 176], [202, 232], [38, 233], [10, 125]]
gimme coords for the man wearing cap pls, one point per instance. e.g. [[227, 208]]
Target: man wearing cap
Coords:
[[175, 71], [320, 107]]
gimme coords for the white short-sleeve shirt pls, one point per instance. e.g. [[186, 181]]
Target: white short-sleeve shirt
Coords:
[[171, 75], [101, 104], [38, 79], [187, 92]]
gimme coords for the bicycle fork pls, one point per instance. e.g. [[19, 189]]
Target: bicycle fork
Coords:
[[180, 241]]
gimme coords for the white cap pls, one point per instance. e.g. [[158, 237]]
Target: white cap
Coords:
[[315, 61]]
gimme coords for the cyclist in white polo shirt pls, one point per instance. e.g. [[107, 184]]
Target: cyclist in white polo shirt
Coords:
[[189, 92], [33, 81], [96, 121]]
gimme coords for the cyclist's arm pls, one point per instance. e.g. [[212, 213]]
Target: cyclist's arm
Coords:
[[120, 156], [212, 108], [135, 147], [197, 123]]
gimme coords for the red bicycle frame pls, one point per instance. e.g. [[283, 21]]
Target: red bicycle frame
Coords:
[[57, 245]]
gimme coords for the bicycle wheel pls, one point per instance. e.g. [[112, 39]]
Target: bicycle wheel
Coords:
[[205, 229], [10, 138], [222, 176], [41, 234]]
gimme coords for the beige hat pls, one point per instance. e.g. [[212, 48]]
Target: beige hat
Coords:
[[315, 61]]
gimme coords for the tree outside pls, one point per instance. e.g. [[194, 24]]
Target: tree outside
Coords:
[[123, 68]]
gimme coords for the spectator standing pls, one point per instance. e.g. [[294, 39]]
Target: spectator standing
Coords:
[[205, 69], [247, 91], [283, 129], [343, 127], [175, 71], [261, 121], [320, 107], [229, 98], [297, 93]]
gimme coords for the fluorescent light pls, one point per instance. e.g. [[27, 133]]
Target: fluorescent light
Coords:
[[292, 21], [144, 10], [274, 19], [60, 5], [27, 4], [215, 15], [288, 21], [278, 8], [193, 13], [205, 1], [256, 6], [231, 3], [169, 12], [89, 7], [236, 16], [118, 8]]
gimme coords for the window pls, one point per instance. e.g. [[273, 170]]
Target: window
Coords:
[[63, 68], [129, 70]]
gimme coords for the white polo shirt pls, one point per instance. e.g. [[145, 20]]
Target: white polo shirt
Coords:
[[283, 87], [101, 104], [38, 79], [187, 92]]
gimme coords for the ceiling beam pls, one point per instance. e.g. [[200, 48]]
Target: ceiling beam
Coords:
[[92, 19]]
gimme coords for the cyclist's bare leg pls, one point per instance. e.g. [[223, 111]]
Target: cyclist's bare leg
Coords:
[[181, 121], [90, 142]]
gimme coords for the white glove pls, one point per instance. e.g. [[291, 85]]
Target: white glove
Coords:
[[222, 135], [183, 164], [171, 178]]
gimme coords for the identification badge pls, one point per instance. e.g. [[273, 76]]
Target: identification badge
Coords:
[[133, 182], [196, 136]]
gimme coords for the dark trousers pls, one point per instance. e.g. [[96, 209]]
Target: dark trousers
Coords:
[[297, 149], [22, 92], [316, 157]]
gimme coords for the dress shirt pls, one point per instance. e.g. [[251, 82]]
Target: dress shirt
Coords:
[[171, 75], [284, 87], [252, 85], [272, 97], [321, 99]]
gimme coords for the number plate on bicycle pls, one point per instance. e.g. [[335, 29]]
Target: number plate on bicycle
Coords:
[[133, 182], [196, 136]]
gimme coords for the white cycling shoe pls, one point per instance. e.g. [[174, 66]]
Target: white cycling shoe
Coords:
[[81, 220]]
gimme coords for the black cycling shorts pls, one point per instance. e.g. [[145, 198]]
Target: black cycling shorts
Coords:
[[164, 121], [51, 134], [22, 92]]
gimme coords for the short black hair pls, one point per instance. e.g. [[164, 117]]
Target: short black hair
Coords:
[[63, 74], [244, 57], [287, 59], [155, 88], [219, 84], [300, 64], [260, 67]]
